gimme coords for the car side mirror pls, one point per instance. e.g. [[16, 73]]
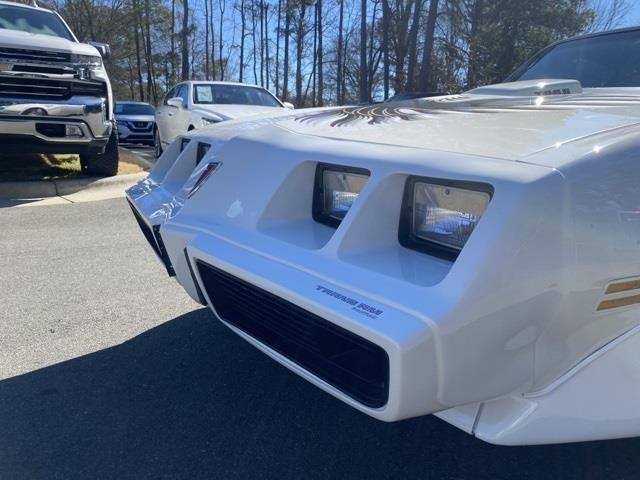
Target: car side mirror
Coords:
[[175, 102], [103, 48], [289, 105]]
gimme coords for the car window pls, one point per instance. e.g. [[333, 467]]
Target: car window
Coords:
[[124, 108], [220, 94], [170, 94], [182, 92], [610, 60], [32, 21]]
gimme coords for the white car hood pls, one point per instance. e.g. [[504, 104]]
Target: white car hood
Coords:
[[230, 112], [521, 128], [36, 41]]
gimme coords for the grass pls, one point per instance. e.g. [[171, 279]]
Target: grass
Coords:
[[20, 168]]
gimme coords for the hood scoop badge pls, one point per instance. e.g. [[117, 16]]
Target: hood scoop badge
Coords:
[[530, 88]]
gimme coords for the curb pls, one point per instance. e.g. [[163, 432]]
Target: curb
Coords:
[[69, 186]]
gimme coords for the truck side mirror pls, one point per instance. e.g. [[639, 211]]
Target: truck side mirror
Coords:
[[103, 48]]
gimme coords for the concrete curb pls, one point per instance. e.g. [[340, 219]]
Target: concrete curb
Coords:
[[72, 189]]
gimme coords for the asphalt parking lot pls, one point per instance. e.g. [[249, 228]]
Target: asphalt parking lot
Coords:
[[108, 370]]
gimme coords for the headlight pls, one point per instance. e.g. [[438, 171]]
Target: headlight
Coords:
[[439, 216], [336, 188], [203, 148], [208, 121], [86, 60]]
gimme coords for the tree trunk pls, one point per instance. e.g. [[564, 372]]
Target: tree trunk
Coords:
[[427, 50], [287, 33], [185, 40], [253, 38], [221, 4], [299, 44], [266, 43], [136, 36], [277, 79], [472, 70], [340, 74], [386, 17], [213, 41], [364, 97], [173, 41], [413, 46], [261, 6], [242, 34], [320, 57], [206, 39]]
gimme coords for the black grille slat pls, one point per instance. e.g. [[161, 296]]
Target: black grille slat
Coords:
[[34, 55], [350, 363]]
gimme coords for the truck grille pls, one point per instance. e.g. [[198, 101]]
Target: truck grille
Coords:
[[40, 88], [350, 363], [33, 56]]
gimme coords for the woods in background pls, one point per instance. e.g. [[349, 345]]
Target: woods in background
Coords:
[[322, 52]]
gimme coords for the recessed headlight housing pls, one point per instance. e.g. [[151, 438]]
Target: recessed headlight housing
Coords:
[[336, 189], [203, 148], [438, 216]]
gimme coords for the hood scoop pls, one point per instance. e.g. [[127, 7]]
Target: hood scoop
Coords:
[[530, 88]]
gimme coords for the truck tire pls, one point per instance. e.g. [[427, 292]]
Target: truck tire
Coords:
[[102, 164]]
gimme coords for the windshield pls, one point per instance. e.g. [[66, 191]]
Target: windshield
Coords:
[[134, 109], [611, 60], [209, 94], [33, 21]]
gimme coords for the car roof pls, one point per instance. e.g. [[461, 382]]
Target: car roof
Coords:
[[133, 102], [23, 5], [213, 82], [598, 34]]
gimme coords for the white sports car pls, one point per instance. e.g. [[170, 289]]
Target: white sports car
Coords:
[[475, 256]]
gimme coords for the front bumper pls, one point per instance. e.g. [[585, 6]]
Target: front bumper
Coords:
[[129, 132], [28, 122]]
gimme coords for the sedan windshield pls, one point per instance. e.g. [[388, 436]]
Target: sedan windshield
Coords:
[[609, 60], [32, 21], [216, 94], [134, 109]]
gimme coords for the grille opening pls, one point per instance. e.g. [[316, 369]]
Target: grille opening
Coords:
[[348, 362], [55, 130]]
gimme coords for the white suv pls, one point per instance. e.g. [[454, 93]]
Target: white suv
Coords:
[[193, 104]]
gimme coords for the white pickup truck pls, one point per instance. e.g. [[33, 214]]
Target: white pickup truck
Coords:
[[55, 95]]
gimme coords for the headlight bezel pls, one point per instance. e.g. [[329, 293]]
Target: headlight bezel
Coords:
[[406, 234], [318, 208]]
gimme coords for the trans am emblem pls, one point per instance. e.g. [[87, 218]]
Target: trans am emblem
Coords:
[[372, 114]]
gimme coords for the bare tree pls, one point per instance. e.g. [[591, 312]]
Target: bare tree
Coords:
[[427, 50], [364, 91], [185, 40], [320, 57]]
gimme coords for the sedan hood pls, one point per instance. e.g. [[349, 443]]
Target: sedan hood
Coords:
[[230, 112], [134, 118], [37, 41], [506, 121]]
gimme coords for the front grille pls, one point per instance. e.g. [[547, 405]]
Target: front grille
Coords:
[[154, 239], [36, 56], [41, 88], [32, 87], [352, 364]]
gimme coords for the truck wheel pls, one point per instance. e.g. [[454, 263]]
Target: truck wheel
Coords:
[[102, 164], [157, 144]]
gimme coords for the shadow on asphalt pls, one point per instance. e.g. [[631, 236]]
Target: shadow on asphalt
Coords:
[[189, 399]]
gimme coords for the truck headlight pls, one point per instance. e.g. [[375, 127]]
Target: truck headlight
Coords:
[[439, 216], [86, 60], [336, 188]]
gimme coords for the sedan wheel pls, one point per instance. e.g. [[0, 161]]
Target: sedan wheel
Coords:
[[157, 144]]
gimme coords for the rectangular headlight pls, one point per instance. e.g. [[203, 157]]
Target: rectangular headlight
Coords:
[[336, 188], [439, 216]]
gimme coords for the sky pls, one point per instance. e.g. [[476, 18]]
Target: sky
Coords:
[[633, 18]]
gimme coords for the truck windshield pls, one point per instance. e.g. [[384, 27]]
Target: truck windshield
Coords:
[[219, 94], [32, 21], [608, 60]]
